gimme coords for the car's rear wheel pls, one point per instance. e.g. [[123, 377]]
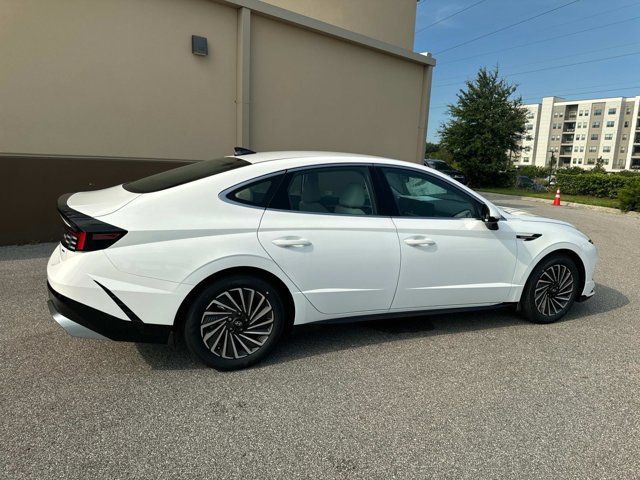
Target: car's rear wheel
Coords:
[[234, 322], [551, 289]]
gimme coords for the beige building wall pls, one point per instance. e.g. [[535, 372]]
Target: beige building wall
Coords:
[[586, 135], [324, 92], [95, 93], [391, 21], [116, 78]]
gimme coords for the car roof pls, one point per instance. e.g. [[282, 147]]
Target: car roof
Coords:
[[260, 157]]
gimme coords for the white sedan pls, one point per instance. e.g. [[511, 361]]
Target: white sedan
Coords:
[[232, 252]]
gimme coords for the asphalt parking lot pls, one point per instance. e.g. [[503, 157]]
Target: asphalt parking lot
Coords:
[[476, 396]]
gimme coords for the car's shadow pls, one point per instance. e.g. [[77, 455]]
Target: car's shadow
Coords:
[[317, 339]]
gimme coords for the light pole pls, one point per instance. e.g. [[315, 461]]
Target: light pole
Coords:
[[551, 162]]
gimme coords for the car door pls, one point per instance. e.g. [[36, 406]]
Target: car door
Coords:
[[323, 230], [449, 256]]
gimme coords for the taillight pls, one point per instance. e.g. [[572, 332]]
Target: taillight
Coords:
[[83, 233]]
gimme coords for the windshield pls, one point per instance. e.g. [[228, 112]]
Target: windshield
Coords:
[[186, 174]]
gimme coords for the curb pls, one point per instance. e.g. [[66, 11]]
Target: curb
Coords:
[[610, 210]]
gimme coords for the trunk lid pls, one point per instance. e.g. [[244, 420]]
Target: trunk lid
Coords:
[[101, 202]]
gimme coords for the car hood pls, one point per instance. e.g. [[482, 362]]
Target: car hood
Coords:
[[515, 214]]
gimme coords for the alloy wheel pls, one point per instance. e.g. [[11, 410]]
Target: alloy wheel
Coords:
[[554, 290], [237, 323]]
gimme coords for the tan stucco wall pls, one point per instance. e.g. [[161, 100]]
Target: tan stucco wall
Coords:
[[392, 21], [116, 78], [310, 91]]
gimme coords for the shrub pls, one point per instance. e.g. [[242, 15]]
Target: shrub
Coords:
[[572, 170], [532, 171], [594, 184], [629, 196]]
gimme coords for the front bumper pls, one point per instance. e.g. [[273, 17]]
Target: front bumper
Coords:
[[80, 320], [590, 289]]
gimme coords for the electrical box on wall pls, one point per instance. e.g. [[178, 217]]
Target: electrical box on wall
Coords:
[[199, 45]]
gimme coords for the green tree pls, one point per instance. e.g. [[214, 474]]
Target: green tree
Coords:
[[599, 166], [485, 124], [430, 148]]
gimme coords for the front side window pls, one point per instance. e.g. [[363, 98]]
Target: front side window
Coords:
[[333, 190], [421, 195]]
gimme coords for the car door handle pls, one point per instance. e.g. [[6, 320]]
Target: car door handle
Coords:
[[419, 241], [291, 242]]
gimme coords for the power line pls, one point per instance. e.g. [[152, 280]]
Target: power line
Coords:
[[573, 64], [460, 77], [556, 66], [617, 85], [562, 95], [541, 41], [449, 16], [502, 29]]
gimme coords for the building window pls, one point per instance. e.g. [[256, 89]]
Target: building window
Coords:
[[608, 136], [580, 113], [591, 161], [606, 161], [628, 111], [555, 114], [525, 159], [579, 161], [529, 126], [623, 149], [575, 160], [626, 124], [586, 113], [612, 111], [597, 111], [610, 123], [575, 149], [583, 136], [606, 149], [624, 136], [596, 124], [594, 136], [561, 115], [593, 149], [582, 148]]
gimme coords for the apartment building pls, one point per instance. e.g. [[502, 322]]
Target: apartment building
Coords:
[[578, 132]]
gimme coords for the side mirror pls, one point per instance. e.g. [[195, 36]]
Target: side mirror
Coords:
[[490, 217]]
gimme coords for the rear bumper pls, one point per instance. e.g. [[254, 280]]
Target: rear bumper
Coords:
[[80, 320]]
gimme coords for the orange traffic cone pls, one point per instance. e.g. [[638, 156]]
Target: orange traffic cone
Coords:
[[556, 201]]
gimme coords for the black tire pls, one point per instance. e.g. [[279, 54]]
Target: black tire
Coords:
[[232, 343], [547, 297]]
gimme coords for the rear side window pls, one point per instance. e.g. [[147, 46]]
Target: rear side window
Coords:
[[182, 175], [334, 190], [257, 194]]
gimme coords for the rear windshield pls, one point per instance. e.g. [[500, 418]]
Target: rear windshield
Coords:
[[186, 174]]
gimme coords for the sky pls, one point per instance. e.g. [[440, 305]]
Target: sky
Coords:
[[613, 30]]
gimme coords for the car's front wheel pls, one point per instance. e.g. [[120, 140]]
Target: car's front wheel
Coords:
[[551, 290], [234, 322]]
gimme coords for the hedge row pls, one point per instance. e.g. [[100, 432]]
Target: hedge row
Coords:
[[595, 184]]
